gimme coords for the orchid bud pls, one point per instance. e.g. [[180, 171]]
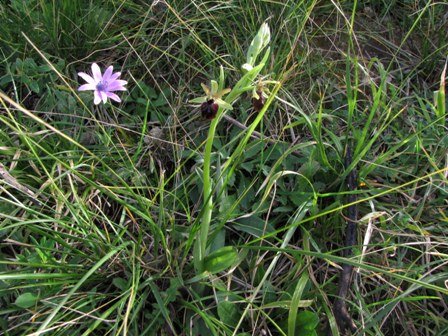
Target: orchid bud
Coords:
[[260, 41]]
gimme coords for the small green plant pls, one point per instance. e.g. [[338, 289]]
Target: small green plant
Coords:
[[29, 76], [439, 97]]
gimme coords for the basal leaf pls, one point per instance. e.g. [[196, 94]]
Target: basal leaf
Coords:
[[220, 259], [26, 300]]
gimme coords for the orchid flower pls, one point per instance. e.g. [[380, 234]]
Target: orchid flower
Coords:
[[212, 100]]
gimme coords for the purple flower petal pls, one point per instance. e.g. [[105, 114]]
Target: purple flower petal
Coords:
[[113, 96], [86, 77], [107, 74], [96, 71], [86, 87], [96, 97], [116, 86], [122, 82], [103, 96], [115, 76]]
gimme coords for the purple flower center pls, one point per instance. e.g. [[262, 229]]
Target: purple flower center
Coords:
[[102, 86]]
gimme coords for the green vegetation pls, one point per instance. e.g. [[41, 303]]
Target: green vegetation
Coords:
[[144, 218]]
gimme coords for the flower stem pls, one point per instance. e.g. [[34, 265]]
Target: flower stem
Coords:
[[208, 198]]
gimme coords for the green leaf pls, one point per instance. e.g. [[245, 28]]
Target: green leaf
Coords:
[[228, 313], [307, 321], [26, 300], [6, 79], [120, 283], [218, 241], [172, 291], [44, 68], [220, 259], [440, 101], [309, 169], [30, 65], [253, 225], [294, 319], [19, 63]]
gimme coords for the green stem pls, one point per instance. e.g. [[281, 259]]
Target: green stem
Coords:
[[208, 199]]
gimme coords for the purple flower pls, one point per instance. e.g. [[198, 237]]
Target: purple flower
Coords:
[[103, 86]]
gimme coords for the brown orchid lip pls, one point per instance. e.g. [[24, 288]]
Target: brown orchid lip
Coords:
[[258, 104], [209, 109]]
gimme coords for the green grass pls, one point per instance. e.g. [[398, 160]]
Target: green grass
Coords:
[[143, 218]]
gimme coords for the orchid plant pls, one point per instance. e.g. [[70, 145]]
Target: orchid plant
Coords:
[[214, 96]]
